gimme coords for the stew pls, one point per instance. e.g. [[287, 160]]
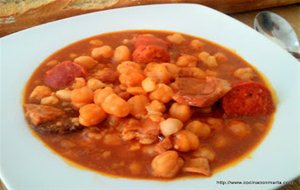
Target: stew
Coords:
[[149, 104]]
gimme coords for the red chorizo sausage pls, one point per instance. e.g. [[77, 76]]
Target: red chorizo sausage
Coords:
[[150, 53], [248, 99], [143, 40], [63, 74]]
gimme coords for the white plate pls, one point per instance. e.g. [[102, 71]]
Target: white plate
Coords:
[[27, 164]]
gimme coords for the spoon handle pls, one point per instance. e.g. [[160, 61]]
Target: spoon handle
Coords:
[[295, 54]]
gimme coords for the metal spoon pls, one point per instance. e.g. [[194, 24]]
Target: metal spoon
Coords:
[[278, 30]]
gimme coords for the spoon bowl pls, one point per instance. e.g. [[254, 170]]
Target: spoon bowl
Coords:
[[278, 30]]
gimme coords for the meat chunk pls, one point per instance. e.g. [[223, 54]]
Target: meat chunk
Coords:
[[38, 114], [149, 132], [63, 74], [200, 92], [61, 125], [248, 99], [146, 131], [51, 119]]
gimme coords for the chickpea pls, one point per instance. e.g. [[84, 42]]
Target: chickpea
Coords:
[[137, 90], [127, 41], [135, 168], [158, 73], [95, 84], [49, 100], [187, 61], [211, 62], [156, 107], [200, 129], [106, 154], [246, 73], [205, 152], [128, 67], [40, 92], [166, 164], [102, 52], [81, 96], [220, 141], [138, 105], [147, 139], [64, 95], [173, 69], [215, 123], [196, 44], [203, 56], [221, 57], [170, 126], [73, 55], [180, 111], [185, 141], [131, 79], [163, 93], [176, 38], [122, 53], [101, 94], [149, 150], [91, 114], [194, 72], [130, 73], [115, 105], [79, 82], [148, 84], [156, 117], [96, 42], [112, 139], [238, 128], [86, 62], [52, 63]]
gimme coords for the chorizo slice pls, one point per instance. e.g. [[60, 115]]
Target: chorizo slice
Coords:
[[63, 74], [200, 92], [144, 40], [248, 99], [150, 49], [151, 53]]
